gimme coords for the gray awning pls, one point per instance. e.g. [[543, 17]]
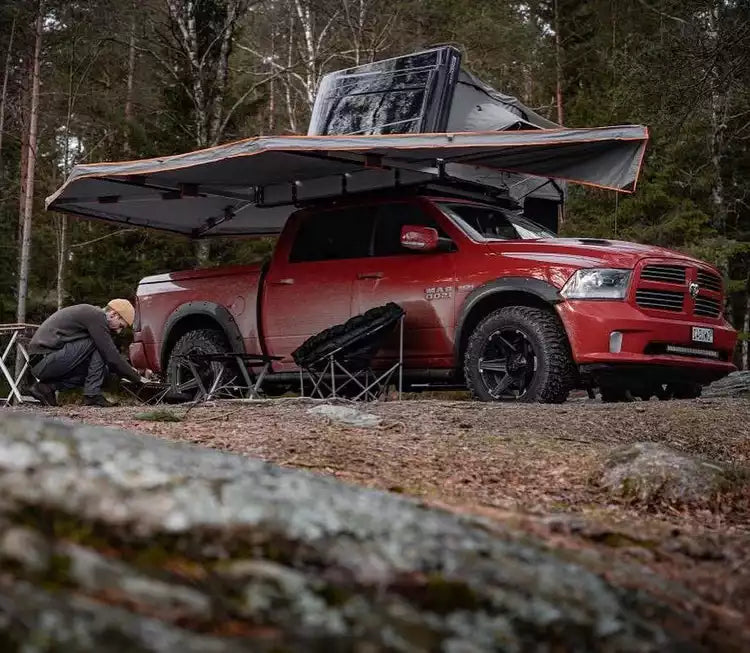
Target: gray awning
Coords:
[[250, 187]]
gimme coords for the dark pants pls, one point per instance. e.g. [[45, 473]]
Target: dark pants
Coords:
[[77, 364]]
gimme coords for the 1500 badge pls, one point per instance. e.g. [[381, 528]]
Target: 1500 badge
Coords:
[[439, 292]]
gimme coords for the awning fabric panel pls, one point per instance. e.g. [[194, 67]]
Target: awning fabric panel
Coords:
[[250, 187]]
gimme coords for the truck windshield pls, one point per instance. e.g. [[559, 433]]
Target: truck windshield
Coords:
[[481, 222]]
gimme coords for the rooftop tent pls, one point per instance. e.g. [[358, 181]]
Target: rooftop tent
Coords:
[[423, 92], [476, 106], [427, 92], [250, 187], [410, 94]]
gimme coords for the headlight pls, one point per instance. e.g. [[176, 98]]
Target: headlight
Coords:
[[595, 283]]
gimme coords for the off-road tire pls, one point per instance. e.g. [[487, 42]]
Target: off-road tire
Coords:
[[555, 373], [199, 341]]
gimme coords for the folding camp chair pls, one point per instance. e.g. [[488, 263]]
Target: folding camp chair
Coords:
[[223, 380], [338, 361], [152, 393], [14, 372]]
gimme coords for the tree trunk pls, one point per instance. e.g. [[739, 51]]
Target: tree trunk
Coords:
[[306, 17], [62, 221], [129, 92], [288, 91], [558, 64], [62, 259], [28, 207], [24, 158], [4, 93], [719, 106], [271, 86]]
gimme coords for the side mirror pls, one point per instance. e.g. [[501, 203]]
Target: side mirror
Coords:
[[421, 239]]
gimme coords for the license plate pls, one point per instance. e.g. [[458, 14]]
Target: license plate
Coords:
[[702, 334]]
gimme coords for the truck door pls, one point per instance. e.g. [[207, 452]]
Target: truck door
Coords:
[[422, 283], [310, 282]]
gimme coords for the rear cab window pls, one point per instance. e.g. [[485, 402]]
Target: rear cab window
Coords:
[[334, 235]]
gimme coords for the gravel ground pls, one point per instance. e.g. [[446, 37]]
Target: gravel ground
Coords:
[[528, 465]]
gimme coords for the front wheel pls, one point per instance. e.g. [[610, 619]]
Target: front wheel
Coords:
[[519, 353]]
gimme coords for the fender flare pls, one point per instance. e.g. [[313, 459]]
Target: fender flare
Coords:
[[540, 289], [220, 314]]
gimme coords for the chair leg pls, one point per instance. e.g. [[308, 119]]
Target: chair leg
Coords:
[[196, 375], [259, 380], [13, 380]]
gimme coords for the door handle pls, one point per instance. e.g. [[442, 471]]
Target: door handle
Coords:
[[370, 275], [283, 282]]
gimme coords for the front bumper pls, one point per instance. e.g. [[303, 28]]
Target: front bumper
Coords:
[[590, 323]]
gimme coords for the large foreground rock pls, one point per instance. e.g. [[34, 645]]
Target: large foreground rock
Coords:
[[118, 542]]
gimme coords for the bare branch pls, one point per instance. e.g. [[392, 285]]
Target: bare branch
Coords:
[[244, 96]]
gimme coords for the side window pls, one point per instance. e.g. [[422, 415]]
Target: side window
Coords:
[[388, 222], [334, 235]]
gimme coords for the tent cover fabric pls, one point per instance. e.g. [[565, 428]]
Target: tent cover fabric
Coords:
[[250, 187]]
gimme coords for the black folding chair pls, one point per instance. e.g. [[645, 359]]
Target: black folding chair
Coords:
[[338, 361]]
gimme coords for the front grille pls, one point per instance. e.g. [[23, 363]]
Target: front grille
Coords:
[[707, 306], [665, 300], [664, 273], [708, 280]]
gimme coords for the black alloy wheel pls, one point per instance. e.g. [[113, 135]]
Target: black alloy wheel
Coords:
[[507, 364]]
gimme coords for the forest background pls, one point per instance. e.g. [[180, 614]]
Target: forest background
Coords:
[[105, 80]]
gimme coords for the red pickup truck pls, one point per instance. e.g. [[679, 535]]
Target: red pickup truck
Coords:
[[492, 301]]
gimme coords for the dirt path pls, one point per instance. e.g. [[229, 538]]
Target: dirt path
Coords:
[[531, 466]]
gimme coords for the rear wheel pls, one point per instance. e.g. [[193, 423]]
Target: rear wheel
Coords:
[[199, 341], [521, 354]]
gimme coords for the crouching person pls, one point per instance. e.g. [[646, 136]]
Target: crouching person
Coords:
[[73, 348]]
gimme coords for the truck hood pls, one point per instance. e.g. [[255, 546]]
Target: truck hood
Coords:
[[585, 252]]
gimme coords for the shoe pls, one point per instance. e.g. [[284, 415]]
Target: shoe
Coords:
[[43, 393], [98, 400]]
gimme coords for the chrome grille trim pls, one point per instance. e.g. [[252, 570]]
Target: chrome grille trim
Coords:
[[707, 306], [664, 273], [666, 300], [708, 280]]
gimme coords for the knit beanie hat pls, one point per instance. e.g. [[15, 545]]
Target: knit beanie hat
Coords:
[[124, 309]]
